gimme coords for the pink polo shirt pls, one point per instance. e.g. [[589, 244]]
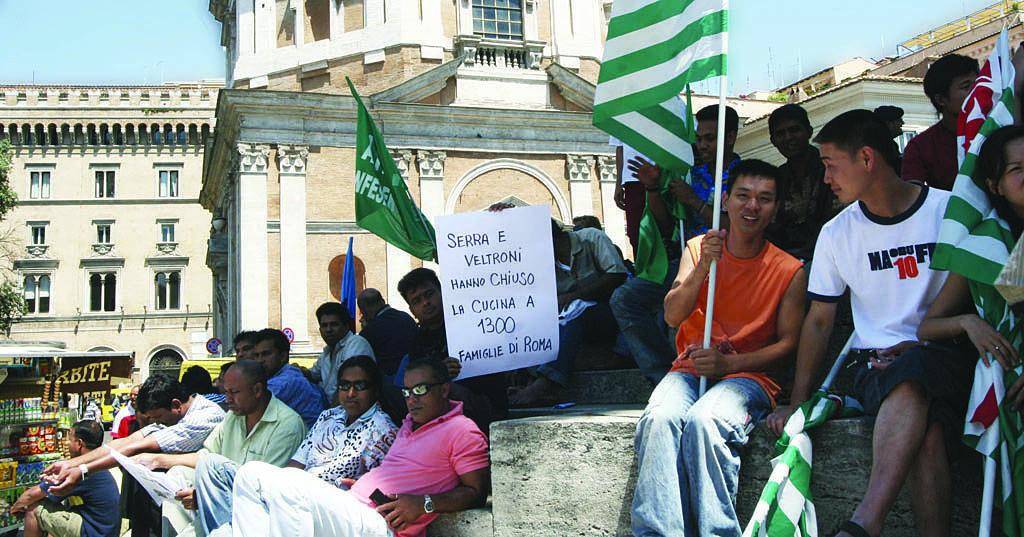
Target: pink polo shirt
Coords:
[[428, 460]]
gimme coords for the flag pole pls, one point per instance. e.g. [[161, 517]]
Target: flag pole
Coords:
[[716, 207], [987, 498]]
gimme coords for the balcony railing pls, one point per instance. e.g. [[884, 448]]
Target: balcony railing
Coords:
[[478, 52]]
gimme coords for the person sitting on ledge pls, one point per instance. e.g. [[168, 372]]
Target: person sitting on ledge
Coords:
[[285, 380], [686, 444]]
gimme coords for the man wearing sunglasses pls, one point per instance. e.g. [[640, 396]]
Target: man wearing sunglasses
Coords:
[[438, 464]]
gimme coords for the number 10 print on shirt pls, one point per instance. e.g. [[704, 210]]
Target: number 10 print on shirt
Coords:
[[905, 259]]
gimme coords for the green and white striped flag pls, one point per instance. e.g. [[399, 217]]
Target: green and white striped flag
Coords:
[[976, 243], [653, 49], [785, 508]]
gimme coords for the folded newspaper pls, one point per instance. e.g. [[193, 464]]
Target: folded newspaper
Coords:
[[158, 485], [1010, 282]]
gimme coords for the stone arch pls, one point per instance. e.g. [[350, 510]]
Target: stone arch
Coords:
[[101, 348], [557, 196], [165, 359]]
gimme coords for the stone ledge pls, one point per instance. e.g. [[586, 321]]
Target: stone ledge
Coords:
[[470, 523]]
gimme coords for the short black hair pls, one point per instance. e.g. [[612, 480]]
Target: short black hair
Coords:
[[789, 112], [333, 308], [90, 432], [757, 168], [940, 74], [992, 165], [889, 113], [368, 298], [252, 370], [368, 365], [158, 391], [587, 221], [244, 335], [850, 131], [224, 367], [435, 365], [710, 113], [416, 278], [276, 337], [196, 379]]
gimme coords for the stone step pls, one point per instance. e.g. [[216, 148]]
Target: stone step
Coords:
[[615, 386], [572, 472], [469, 523]]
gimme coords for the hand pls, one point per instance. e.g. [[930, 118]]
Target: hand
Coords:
[[404, 510], [1015, 394], [684, 193], [187, 497], [620, 196], [64, 482], [711, 248], [21, 506], [500, 206], [454, 367], [153, 461], [710, 363], [56, 468], [345, 483], [649, 174], [776, 421], [988, 341]]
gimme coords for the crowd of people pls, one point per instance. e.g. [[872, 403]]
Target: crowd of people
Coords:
[[376, 438]]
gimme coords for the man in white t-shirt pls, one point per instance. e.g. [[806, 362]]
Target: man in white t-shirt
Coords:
[[880, 248]]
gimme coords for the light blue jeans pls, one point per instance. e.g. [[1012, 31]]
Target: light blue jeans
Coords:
[[638, 306], [687, 463], [215, 476]]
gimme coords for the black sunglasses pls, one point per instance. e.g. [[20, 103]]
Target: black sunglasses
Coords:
[[419, 389], [359, 385]]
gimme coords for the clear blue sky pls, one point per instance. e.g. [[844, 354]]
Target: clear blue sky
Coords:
[[140, 41]]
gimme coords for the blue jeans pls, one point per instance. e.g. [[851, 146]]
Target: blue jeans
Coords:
[[687, 463], [638, 306], [595, 323], [215, 476]]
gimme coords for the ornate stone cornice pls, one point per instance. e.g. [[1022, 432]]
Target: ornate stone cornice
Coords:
[[292, 159], [431, 164], [578, 167], [403, 160], [252, 158], [606, 169]]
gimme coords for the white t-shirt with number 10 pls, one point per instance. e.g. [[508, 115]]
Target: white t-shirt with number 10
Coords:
[[886, 264]]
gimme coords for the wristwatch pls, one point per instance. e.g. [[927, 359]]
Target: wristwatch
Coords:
[[428, 504], [84, 469]]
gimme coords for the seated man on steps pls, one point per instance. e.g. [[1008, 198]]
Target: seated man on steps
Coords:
[[285, 380], [438, 464], [688, 464], [880, 248]]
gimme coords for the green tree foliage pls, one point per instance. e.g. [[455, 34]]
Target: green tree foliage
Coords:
[[12, 305]]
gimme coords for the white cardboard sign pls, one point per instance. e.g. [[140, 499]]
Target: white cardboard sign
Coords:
[[498, 283]]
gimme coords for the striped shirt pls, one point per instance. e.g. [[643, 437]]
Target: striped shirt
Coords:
[[191, 431]]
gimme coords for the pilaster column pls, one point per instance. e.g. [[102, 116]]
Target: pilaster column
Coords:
[[291, 160], [252, 236], [374, 13], [399, 262], [580, 192], [431, 168], [299, 9], [614, 219]]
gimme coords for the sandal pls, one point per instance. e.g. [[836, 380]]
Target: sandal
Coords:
[[852, 528]]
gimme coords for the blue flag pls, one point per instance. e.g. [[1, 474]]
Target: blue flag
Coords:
[[348, 282]]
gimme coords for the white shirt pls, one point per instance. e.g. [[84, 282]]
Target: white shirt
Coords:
[[125, 411], [191, 431], [628, 153], [886, 264], [333, 450], [325, 370]]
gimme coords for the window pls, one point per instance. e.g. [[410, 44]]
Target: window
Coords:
[[498, 19], [37, 293], [38, 235], [102, 291], [102, 233], [40, 185], [105, 184], [169, 183], [168, 290], [166, 232]]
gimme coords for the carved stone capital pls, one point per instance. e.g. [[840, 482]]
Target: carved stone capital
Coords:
[[166, 248], [403, 160], [431, 164], [291, 159], [252, 158], [578, 167], [102, 249], [606, 169], [37, 250]]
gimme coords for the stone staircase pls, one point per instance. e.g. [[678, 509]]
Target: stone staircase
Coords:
[[561, 473]]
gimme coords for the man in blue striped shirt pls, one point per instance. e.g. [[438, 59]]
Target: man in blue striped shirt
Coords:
[[285, 380]]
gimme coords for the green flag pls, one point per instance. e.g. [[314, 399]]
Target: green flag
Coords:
[[383, 204]]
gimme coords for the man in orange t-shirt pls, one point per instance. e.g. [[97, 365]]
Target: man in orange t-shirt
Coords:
[[688, 466]]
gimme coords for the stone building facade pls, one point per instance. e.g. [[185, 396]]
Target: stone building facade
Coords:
[[479, 100], [108, 237]]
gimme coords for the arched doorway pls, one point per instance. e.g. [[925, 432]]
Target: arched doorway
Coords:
[[166, 361], [335, 271]]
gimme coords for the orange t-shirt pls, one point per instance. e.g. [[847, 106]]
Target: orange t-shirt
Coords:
[[747, 297]]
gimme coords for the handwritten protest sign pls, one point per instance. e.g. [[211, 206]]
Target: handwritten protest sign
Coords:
[[498, 283]]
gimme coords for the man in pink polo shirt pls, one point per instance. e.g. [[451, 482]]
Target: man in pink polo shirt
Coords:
[[438, 464]]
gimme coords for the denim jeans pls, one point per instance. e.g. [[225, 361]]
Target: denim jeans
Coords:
[[687, 463], [596, 323], [215, 476], [638, 306]]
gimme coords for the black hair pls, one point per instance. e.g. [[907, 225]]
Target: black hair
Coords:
[[586, 221], [252, 370], [789, 112], [336, 309], [368, 365], [889, 113], [224, 367], [940, 75], [244, 335], [276, 337], [757, 168], [196, 379], [90, 432], [991, 167], [850, 131], [415, 279], [368, 298], [710, 113], [436, 366], [159, 391]]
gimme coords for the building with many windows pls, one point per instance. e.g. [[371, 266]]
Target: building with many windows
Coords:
[[108, 236]]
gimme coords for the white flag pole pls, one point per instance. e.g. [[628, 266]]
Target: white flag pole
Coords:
[[716, 207], [987, 498]]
